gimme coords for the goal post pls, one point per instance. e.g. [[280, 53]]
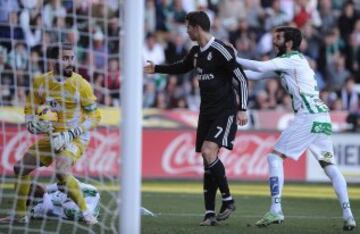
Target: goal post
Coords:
[[131, 117]]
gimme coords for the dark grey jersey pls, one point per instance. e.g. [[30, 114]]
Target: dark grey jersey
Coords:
[[220, 77]]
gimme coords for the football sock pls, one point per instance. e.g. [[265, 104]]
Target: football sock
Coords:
[[276, 181], [74, 191], [22, 187], [340, 187], [210, 188], [218, 171]]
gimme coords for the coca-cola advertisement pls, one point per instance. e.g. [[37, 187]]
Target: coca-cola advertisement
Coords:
[[166, 154]]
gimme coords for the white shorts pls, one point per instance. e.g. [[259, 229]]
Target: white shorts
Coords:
[[307, 131]]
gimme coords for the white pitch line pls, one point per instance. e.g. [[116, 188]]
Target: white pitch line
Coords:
[[249, 216]]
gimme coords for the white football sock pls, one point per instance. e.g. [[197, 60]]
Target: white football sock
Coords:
[[276, 181], [340, 187]]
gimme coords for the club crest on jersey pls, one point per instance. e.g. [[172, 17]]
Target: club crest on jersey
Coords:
[[195, 59], [209, 57]]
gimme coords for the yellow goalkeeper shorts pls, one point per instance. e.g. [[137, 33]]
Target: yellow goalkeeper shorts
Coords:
[[42, 150]]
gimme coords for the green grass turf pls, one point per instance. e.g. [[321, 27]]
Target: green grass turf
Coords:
[[179, 206]]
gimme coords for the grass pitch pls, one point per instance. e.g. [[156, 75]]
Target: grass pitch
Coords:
[[308, 208]]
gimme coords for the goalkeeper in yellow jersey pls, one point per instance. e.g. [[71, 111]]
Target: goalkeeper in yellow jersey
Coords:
[[63, 141]]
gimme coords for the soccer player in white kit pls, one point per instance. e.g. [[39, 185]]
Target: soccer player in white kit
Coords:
[[55, 202], [310, 129]]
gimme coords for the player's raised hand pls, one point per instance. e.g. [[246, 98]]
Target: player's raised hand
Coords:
[[150, 67], [241, 118]]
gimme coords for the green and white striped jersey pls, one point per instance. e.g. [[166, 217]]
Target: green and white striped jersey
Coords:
[[56, 202], [297, 77]]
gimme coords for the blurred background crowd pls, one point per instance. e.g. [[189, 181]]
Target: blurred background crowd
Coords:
[[331, 30]]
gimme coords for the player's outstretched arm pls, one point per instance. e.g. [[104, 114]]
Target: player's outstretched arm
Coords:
[[180, 67], [259, 66], [253, 75]]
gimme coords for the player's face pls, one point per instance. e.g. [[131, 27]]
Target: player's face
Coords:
[[279, 42], [67, 58], [192, 32]]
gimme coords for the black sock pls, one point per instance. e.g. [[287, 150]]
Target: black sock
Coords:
[[210, 188], [218, 171]]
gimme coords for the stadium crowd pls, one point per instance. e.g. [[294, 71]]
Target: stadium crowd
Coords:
[[331, 30]]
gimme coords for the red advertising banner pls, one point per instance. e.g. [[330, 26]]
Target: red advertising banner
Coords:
[[166, 154]]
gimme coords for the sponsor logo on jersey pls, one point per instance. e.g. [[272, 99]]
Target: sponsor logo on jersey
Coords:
[[206, 77], [209, 57]]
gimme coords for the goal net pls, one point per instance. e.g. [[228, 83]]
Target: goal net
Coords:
[[28, 29]]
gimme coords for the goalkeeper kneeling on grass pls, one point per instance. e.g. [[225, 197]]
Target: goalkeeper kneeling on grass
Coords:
[[63, 141], [52, 200]]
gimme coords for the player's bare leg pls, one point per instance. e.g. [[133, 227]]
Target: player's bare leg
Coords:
[[63, 174], [22, 170], [340, 188], [276, 183]]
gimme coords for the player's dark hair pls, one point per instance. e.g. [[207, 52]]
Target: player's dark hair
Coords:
[[291, 34], [198, 18], [53, 51]]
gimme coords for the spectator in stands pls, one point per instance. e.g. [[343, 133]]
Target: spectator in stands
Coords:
[[35, 65], [312, 39], [99, 90], [274, 93], [230, 12], [53, 9], [11, 30], [162, 15], [19, 56], [31, 22], [336, 105], [347, 19], [329, 49], [336, 73], [175, 48], [274, 16], [352, 51], [350, 98], [113, 33], [153, 50], [254, 14], [149, 95], [177, 12], [245, 48], [161, 101], [218, 30], [99, 53], [22, 78], [112, 81], [58, 29], [19, 99], [262, 100], [327, 15], [6, 8], [6, 79], [150, 16]]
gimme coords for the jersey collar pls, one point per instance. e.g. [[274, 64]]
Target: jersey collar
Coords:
[[212, 39]]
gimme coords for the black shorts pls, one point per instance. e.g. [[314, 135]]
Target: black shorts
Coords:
[[220, 129]]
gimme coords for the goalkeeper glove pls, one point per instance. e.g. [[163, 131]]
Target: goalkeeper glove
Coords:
[[37, 126], [59, 140]]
